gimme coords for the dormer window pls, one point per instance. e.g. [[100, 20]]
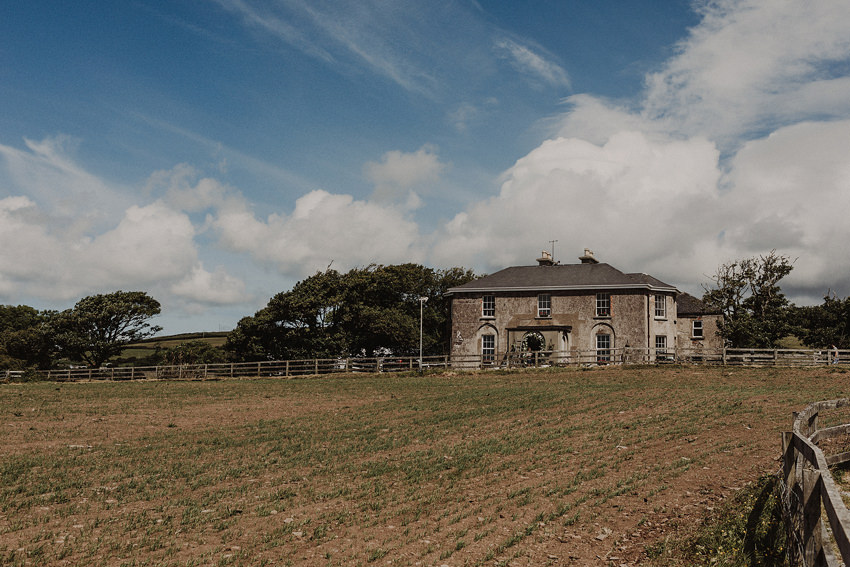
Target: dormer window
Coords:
[[544, 305]]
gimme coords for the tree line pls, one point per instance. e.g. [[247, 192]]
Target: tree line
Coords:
[[755, 313], [375, 311], [369, 311]]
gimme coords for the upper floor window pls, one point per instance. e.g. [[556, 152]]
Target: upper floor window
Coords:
[[544, 305], [488, 308], [660, 306], [696, 329], [603, 304]]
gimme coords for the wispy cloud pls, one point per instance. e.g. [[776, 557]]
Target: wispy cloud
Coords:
[[277, 26], [534, 63]]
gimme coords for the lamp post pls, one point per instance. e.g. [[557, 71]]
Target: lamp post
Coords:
[[422, 301]]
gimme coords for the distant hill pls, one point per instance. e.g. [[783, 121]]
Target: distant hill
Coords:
[[145, 348]]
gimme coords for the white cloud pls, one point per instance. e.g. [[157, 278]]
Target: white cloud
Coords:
[[753, 65], [323, 228], [398, 173], [210, 288], [625, 199], [791, 191], [69, 233], [49, 175]]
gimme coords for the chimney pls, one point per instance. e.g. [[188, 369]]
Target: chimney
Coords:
[[545, 259], [588, 257]]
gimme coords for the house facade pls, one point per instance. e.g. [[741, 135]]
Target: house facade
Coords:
[[573, 309]]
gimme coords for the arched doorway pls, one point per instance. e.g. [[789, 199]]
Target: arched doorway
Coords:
[[533, 341]]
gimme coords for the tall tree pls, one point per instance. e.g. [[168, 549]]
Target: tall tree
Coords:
[[99, 326], [747, 293], [369, 311]]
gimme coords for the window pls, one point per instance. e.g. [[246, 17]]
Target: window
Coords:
[[488, 348], [544, 305], [488, 308], [661, 347], [696, 329], [660, 306], [603, 348], [603, 304]]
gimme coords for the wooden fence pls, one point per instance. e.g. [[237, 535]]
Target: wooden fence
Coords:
[[810, 493], [539, 359]]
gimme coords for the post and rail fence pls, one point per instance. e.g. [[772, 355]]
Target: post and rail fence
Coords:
[[809, 492], [534, 359]]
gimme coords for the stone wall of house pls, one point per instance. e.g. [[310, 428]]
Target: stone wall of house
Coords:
[[710, 340], [573, 324]]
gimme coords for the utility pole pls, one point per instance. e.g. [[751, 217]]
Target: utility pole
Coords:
[[422, 301]]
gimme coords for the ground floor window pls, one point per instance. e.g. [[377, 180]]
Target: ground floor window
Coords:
[[488, 348], [696, 329], [660, 346], [603, 348]]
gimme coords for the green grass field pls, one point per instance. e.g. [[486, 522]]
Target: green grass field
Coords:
[[520, 468]]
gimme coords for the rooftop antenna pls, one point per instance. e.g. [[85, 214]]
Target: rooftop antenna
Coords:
[[552, 242]]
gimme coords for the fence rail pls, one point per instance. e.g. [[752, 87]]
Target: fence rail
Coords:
[[810, 493], [293, 368]]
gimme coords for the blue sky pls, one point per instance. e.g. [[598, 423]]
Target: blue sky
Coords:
[[213, 153]]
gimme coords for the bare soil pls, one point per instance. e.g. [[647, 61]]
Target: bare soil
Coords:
[[387, 471]]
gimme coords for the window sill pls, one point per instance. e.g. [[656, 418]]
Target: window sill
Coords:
[[488, 317], [661, 318], [602, 317]]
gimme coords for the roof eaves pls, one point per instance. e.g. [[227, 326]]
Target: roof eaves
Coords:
[[453, 290]]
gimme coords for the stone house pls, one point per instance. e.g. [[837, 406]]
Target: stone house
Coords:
[[697, 325], [591, 309]]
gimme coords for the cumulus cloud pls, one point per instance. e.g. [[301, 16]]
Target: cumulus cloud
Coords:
[[323, 228], [625, 198], [48, 252], [398, 173]]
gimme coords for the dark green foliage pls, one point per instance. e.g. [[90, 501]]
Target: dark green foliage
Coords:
[[99, 326], [26, 337], [747, 293], [822, 326], [364, 311]]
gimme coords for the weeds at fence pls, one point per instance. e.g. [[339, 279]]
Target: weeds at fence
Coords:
[[746, 531]]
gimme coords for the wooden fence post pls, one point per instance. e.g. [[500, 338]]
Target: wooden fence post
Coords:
[[811, 516]]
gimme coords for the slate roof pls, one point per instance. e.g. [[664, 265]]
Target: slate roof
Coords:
[[687, 304], [562, 277]]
